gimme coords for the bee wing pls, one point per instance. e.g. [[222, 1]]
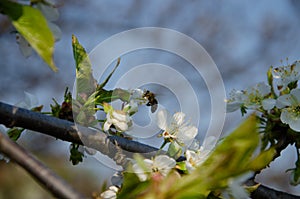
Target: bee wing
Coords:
[[154, 108]]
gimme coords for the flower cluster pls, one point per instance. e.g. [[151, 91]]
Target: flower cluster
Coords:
[[278, 103], [263, 98], [256, 97]]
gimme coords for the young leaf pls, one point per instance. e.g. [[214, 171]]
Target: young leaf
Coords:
[[32, 25], [15, 133], [174, 150], [76, 156], [109, 76], [86, 84], [132, 187]]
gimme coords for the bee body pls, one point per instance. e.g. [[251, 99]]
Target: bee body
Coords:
[[152, 101]]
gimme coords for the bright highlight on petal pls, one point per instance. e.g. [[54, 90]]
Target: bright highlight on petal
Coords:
[[175, 128]]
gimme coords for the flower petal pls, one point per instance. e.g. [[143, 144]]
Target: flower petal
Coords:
[[283, 101], [106, 126], [296, 94], [119, 115], [268, 104], [164, 164], [187, 134], [178, 118], [121, 126], [233, 106], [139, 172], [162, 119]]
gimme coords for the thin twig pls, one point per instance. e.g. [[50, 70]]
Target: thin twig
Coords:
[[53, 183]]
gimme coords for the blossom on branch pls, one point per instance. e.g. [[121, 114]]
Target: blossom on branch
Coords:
[[287, 74], [120, 119], [160, 166], [255, 97], [175, 128], [290, 105], [197, 156]]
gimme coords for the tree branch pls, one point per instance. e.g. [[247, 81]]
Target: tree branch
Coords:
[[264, 192], [12, 116], [109, 145], [53, 183]]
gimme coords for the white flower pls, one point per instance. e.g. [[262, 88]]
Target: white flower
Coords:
[[287, 74], [28, 102], [268, 104], [196, 157], [235, 101], [136, 99], [131, 107], [119, 119], [161, 165], [111, 193], [236, 188], [175, 129], [253, 97], [290, 105], [137, 96]]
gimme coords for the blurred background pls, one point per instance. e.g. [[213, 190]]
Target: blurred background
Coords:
[[244, 38]]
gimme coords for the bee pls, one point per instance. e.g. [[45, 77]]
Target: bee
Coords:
[[151, 100]]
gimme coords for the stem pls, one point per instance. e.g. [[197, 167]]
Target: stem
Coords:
[[162, 146]]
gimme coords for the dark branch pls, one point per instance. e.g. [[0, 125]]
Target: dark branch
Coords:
[[53, 183], [108, 145], [12, 116], [264, 192]]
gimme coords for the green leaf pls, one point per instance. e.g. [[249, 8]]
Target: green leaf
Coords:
[[108, 96], [75, 155], [132, 187], [107, 108], [174, 150], [86, 84], [262, 160], [109, 76], [55, 109], [181, 166], [32, 25], [15, 133]]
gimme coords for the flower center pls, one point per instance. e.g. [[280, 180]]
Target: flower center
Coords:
[[297, 109]]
